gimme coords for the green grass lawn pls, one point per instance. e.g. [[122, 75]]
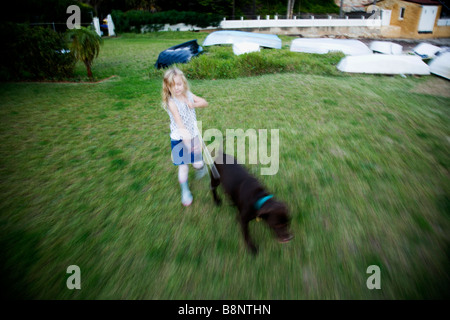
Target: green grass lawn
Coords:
[[86, 179]]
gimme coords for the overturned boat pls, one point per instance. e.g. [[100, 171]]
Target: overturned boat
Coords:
[[384, 64], [426, 50], [245, 47], [233, 37], [325, 45], [181, 53], [386, 47], [441, 65]]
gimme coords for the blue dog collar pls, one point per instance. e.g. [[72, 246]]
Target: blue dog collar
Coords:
[[260, 202]]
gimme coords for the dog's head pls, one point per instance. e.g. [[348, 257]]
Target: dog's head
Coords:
[[277, 217]]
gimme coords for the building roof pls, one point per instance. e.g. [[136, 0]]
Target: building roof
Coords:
[[425, 2]]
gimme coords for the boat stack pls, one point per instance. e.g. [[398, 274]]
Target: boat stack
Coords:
[[380, 57]]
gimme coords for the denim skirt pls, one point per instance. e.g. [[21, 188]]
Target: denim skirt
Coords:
[[181, 153]]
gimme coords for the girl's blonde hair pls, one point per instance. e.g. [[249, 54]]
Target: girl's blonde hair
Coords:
[[169, 82]]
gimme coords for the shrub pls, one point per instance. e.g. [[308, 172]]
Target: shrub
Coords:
[[219, 62], [33, 53]]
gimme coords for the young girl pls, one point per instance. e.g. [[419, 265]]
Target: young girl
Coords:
[[180, 104]]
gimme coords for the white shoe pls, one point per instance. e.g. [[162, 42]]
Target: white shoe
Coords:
[[186, 198]]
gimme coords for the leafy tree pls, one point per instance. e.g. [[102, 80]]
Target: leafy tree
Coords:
[[85, 46], [228, 8], [44, 12]]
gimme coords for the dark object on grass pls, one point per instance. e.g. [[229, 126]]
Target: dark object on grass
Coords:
[[181, 53], [252, 200]]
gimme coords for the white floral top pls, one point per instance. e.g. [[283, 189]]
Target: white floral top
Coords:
[[187, 115]]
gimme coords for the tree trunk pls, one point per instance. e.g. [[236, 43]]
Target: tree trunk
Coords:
[[234, 8], [290, 9], [89, 71]]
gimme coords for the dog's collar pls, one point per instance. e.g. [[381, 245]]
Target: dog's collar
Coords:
[[262, 201]]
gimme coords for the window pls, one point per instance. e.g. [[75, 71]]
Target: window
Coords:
[[402, 14]]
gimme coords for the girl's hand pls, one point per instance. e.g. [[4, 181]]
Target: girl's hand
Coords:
[[197, 148], [188, 143], [186, 138], [185, 135], [198, 102]]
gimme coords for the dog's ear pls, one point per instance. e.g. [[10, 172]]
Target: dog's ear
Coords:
[[270, 207], [263, 212], [273, 208]]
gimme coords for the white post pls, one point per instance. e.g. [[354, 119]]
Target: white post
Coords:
[[97, 26], [111, 27]]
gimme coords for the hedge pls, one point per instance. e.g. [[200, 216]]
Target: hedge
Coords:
[[33, 53], [134, 20]]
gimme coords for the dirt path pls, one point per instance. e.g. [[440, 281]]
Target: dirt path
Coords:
[[435, 86]]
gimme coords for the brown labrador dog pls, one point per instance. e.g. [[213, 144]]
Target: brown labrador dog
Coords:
[[252, 200]]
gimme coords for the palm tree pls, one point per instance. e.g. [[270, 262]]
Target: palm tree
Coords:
[[85, 46]]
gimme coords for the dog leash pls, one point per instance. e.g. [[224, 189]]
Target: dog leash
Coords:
[[208, 159]]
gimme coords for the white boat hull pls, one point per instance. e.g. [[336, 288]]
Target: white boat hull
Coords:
[[233, 37], [245, 47], [384, 64], [322, 46], [441, 65], [386, 47], [426, 50]]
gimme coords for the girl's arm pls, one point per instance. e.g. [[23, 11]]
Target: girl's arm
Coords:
[[185, 135], [198, 102]]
